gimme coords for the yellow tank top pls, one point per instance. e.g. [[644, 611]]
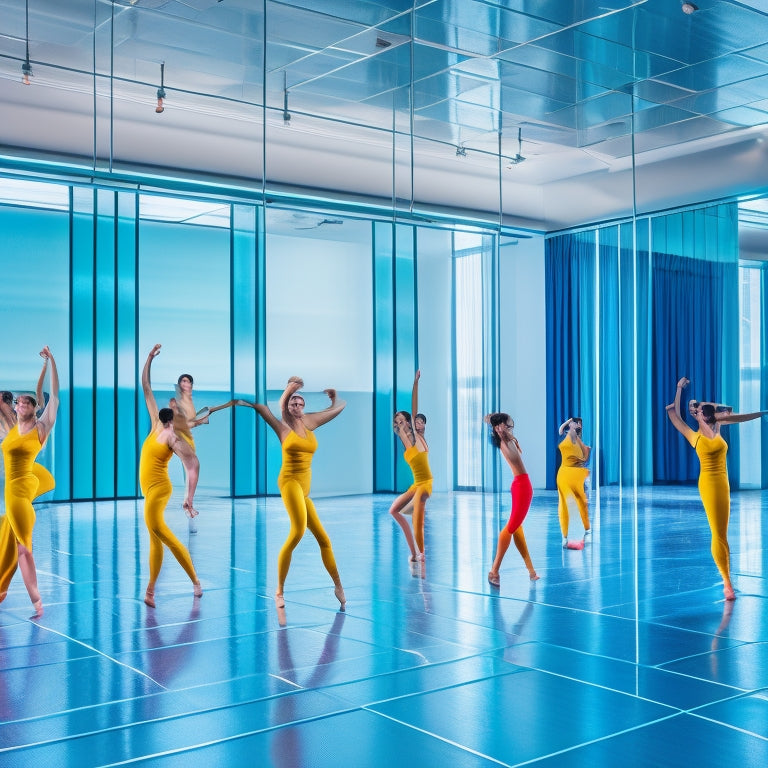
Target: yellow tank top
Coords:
[[297, 456], [711, 452], [418, 461], [19, 452], [153, 464], [571, 453]]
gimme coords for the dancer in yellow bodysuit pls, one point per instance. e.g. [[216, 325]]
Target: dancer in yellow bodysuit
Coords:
[[714, 488], [295, 430], [24, 481], [417, 457], [572, 475], [156, 452]]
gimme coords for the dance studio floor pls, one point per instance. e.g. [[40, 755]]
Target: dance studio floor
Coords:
[[618, 656]]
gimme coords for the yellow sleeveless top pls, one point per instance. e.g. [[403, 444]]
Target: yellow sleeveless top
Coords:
[[153, 464], [571, 453], [418, 461]]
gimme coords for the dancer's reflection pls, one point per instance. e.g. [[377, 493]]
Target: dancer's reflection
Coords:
[[286, 746], [186, 418], [522, 492], [571, 477], [714, 488], [417, 457], [9, 556], [714, 657], [160, 444], [165, 659], [514, 635], [295, 430], [23, 484]]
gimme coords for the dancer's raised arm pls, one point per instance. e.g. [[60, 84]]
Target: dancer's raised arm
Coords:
[[673, 412], [146, 384], [48, 417]]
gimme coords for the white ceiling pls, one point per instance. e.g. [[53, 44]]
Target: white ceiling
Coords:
[[615, 105]]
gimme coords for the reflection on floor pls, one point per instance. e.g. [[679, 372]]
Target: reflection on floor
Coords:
[[621, 655]]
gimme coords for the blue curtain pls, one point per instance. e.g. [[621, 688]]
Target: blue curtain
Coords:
[[695, 327], [570, 316], [664, 295]]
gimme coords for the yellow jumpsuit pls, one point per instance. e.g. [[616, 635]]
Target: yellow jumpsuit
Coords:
[[157, 488], [294, 483], [570, 482], [418, 461], [715, 492], [24, 482]]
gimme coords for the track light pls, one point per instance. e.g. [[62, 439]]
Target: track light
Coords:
[[26, 67], [161, 91], [286, 113]]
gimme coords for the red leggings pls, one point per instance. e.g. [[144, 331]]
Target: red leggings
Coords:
[[522, 493]]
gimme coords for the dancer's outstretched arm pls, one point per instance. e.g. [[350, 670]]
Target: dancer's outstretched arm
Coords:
[[146, 385], [318, 418]]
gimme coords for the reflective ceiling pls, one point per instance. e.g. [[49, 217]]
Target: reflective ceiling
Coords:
[[528, 109]]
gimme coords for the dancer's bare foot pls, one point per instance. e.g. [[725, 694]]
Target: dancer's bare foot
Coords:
[[340, 596], [189, 510], [279, 600], [149, 597], [729, 592], [198, 588], [534, 576], [493, 578], [38, 606]]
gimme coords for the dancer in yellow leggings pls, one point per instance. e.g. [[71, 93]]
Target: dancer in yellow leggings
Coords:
[[295, 430], [24, 481], [156, 452], [416, 456], [572, 475], [714, 488]]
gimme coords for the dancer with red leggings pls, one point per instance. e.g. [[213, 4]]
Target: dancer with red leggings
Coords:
[[501, 435]]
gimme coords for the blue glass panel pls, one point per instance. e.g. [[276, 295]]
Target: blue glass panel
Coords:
[[34, 304], [184, 304], [126, 353], [83, 342], [384, 348], [104, 343]]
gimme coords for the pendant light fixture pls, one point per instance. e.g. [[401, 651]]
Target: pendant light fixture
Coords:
[[26, 67], [161, 91]]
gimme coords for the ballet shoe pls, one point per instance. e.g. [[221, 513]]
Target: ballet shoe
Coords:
[[198, 588], [493, 579], [420, 557], [149, 597], [588, 532], [341, 597], [279, 600], [190, 511], [575, 544]]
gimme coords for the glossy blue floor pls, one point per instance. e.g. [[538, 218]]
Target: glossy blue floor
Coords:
[[619, 655]]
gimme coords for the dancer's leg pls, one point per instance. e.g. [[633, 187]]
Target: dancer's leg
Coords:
[[326, 550], [395, 510], [295, 505]]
